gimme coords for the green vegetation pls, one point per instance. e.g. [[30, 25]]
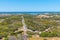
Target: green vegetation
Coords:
[[41, 24], [9, 24]]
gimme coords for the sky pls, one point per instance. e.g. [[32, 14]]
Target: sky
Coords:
[[29, 5]]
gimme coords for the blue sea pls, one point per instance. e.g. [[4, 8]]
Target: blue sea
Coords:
[[34, 13]]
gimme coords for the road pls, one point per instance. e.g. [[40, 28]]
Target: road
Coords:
[[24, 36], [24, 29], [24, 25]]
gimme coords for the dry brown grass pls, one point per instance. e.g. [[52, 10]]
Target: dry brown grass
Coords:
[[43, 38]]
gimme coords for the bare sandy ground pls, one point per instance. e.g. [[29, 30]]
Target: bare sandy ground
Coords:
[[44, 38]]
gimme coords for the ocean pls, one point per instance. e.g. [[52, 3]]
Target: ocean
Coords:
[[34, 13]]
